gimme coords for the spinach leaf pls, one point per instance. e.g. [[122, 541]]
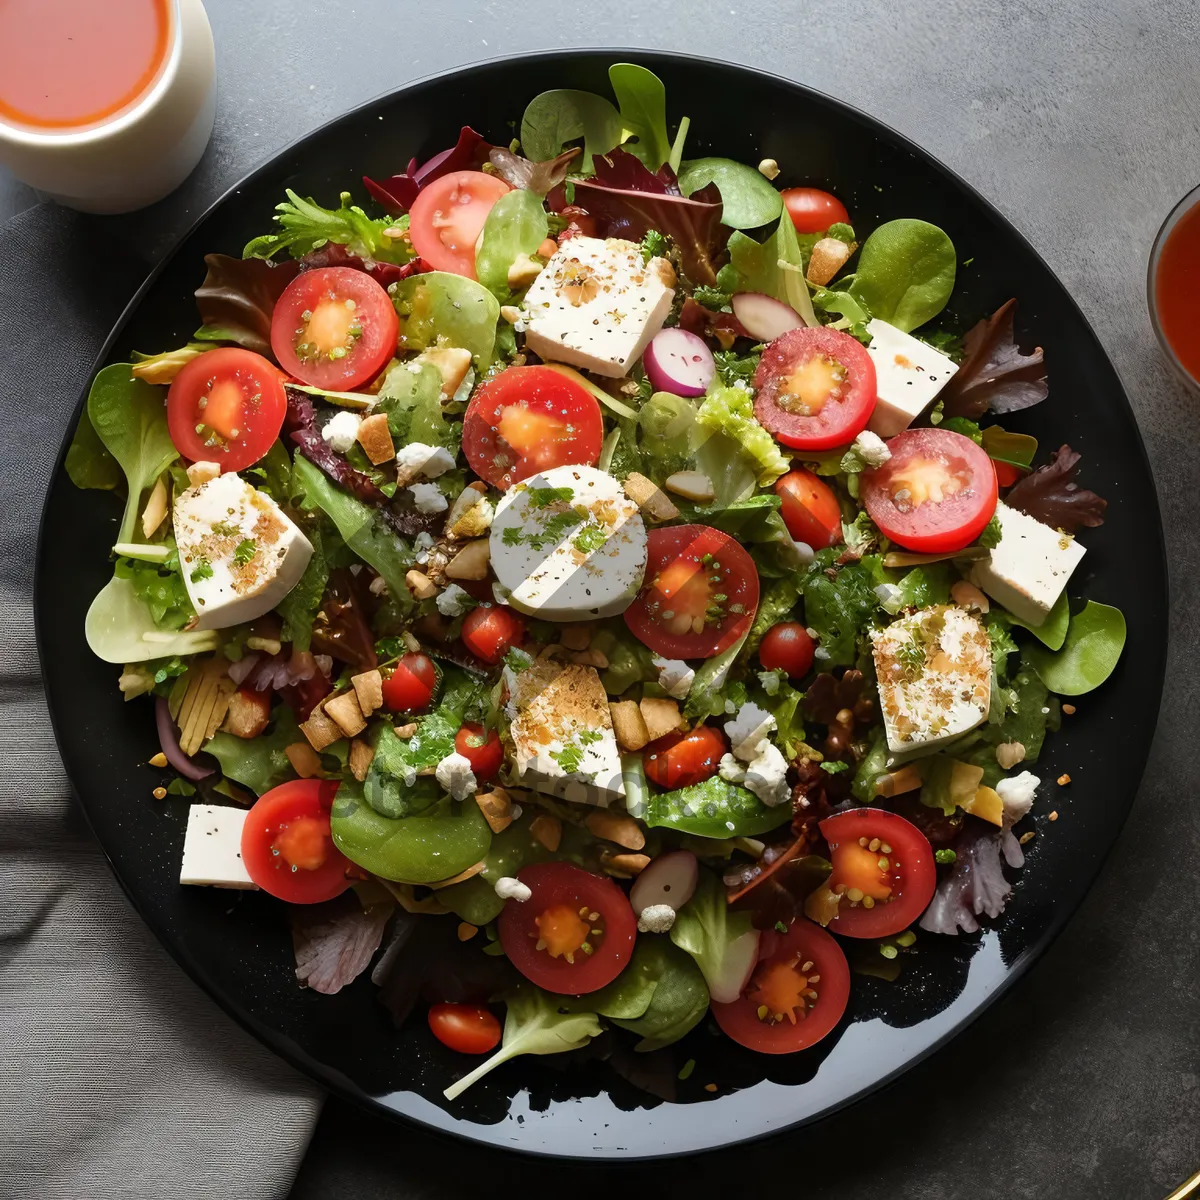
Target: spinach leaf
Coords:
[[678, 1001], [715, 809], [1095, 639], [439, 308], [1017, 449], [273, 473], [88, 463], [120, 629], [1052, 632], [533, 1025], [259, 763], [412, 400], [129, 419], [749, 199], [516, 226], [642, 99], [873, 764], [304, 226], [905, 273], [1030, 712], [554, 118]]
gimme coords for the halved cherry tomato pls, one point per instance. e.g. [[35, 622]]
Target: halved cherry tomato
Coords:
[[490, 630], [409, 687], [334, 327], [700, 593], [573, 935], [809, 508], [680, 760], [812, 210], [529, 419], [446, 219], [467, 1028], [816, 388], [936, 493], [776, 1013], [1006, 473], [286, 844], [898, 876], [484, 751], [787, 647], [226, 406]]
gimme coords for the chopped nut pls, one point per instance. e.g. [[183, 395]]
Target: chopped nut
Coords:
[[624, 866], [616, 827], [691, 485], [159, 760], [661, 716], [769, 168], [649, 497], [466, 931], [710, 1087], [469, 873], [266, 634], [421, 586], [249, 713], [306, 762], [523, 272], [967, 595], [361, 757], [578, 636], [159, 793], [511, 313], [629, 725], [345, 711], [1008, 754], [469, 515], [1064, 779], [829, 256], [1069, 709], [321, 730], [472, 561], [404, 732], [202, 472], [410, 642], [547, 829], [590, 658], [452, 363], [155, 511], [1053, 816], [375, 438], [497, 808], [368, 687], [1027, 837]]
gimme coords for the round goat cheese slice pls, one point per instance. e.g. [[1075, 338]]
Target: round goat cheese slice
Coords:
[[569, 545]]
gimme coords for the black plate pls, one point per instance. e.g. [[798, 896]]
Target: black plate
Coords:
[[237, 946]]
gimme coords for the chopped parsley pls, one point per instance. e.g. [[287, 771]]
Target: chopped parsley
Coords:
[[654, 245], [511, 536], [225, 529], [835, 768], [543, 497], [570, 757], [555, 529], [245, 551], [945, 856], [990, 537], [589, 538], [203, 570]]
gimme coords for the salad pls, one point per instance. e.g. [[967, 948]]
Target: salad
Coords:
[[597, 578]]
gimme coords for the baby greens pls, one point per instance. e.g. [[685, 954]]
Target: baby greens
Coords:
[[1093, 645], [555, 118], [260, 763], [642, 99], [905, 273], [715, 809], [514, 229], [304, 226], [121, 629], [438, 308], [675, 1003], [749, 199]]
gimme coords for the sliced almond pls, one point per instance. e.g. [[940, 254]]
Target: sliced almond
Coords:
[[361, 758], [375, 438], [629, 725], [202, 472], [472, 561], [321, 731], [691, 485], [306, 762], [421, 586], [346, 712], [829, 256], [649, 497], [661, 717], [624, 866], [547, 829], [616, 827], [404, 732], [155, 511], [497, 808], [368, 687]]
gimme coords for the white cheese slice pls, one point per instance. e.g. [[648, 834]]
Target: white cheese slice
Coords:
[[935, 678], [240, 555], [908, 375], [562, 734], [597, 305], [1029, 568], [212, 847], [568, 545]]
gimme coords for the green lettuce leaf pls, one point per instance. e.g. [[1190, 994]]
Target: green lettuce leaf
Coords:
[[258, 763], [441, 309], [304, 226]]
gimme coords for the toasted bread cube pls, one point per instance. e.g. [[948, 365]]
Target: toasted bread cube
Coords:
[[452, 365], [306, 762], [472, 561], [362, 755], [346, 712], [497, 808], [421, 586], [248, 714], [376, 439], [629, 725], [829, 256], [661, 717], [321, 730], [368, 688]]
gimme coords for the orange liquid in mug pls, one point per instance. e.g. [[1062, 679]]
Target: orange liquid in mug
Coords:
[[1177, 290], [70, 63]]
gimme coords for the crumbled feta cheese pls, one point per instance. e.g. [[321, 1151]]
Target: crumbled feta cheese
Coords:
[[674, 676], [656, 918], [1016, 794], [455, 775], [766, 776], [508, 888], [871, 449], [423, 541], [428, 498], [341, 431], [455, 601], [748, 730], [730, 769], [418, 459]]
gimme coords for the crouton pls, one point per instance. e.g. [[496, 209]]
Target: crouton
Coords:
[[375, 438], [829, 256], [202, 472], [306, 762], [249, 713], [321, 731], [472, 561], [649, 497], [452, 365], [629, 725], [547, 829], [497, 808], [361, 757], [661, 717], [421, 586], [368, 687], [345, 711]]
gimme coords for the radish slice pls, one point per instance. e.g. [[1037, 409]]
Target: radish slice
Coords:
[[669, 880], [737, 965], [679, 362], [764, 317]]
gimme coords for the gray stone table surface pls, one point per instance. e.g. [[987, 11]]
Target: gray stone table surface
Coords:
[[1081, 121]]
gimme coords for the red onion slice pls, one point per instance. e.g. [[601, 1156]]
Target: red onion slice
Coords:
[[763, 316], [679, 362], [168, 740]]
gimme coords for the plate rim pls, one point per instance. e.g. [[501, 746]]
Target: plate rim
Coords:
[[280, 1044]]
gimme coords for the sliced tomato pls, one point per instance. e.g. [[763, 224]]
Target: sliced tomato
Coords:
[[574, 934], [700, 593], [490, 630], [409, 687], [935, 494], [810, 508], [1006, 473], [447, 217], [815, 388], [682, 759], [482, 749], [287, 847], [467, 1028], [883, 872], [334, 328], [812, 210], [778, 1013], [530, 419], [226, 406], [787, 647]]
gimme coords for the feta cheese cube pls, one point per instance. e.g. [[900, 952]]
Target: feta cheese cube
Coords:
[[597, 305], [563, 735], [212, 847], [239, 554], [418, 460], [935, 678], [1029, 569], [908, 373]]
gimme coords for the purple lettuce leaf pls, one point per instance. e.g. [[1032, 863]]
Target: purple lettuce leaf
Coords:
[[300, 424], [397, 193], [238, 297], [335, 942]]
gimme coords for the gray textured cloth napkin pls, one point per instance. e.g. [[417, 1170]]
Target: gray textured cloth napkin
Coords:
[[118, 1076]]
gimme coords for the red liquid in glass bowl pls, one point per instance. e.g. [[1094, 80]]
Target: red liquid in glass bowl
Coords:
[[1174, 286]]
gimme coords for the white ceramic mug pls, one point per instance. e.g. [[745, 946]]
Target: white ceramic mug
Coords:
[[138, 155]]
